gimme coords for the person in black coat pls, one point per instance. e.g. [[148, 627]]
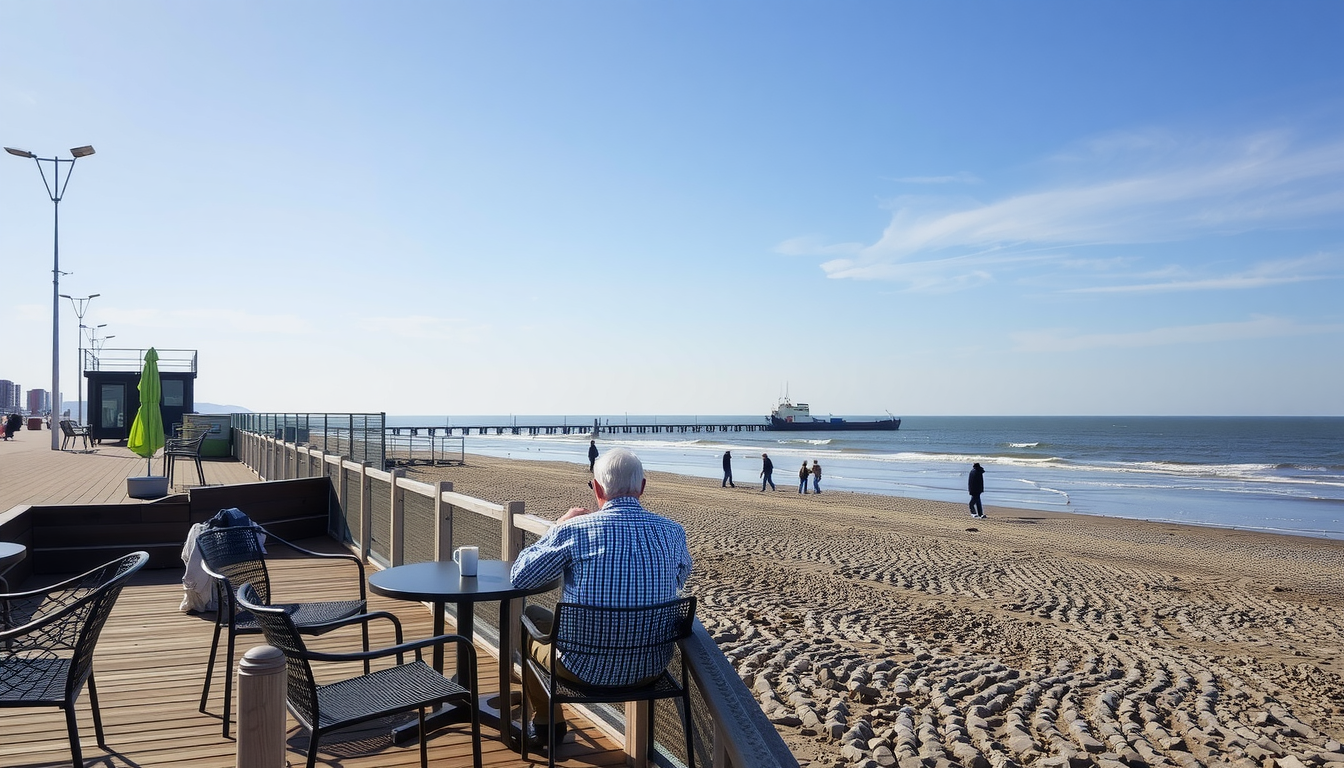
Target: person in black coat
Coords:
[[767, 470], [727, 470], [592, 454], [976, 485]]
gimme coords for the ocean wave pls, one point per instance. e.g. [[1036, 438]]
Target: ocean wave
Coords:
[[1024, 445]]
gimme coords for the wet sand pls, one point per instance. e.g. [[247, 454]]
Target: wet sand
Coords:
[[879, 631]]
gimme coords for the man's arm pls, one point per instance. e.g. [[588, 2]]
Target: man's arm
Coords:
[[541, 562]]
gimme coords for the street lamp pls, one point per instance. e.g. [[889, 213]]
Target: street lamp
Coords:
[[81, 305], [55, 190]]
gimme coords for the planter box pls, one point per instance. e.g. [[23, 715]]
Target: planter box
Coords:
[[148, 487]]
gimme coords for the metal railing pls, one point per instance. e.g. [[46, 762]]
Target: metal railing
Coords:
[[358, 436], [391, 520]]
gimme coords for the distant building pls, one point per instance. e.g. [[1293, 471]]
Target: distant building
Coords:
[[9, 396], [39, 401]]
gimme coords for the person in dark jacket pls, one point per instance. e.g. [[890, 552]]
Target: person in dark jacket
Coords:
[[803, 475], [976, 485], [727, 470], [592, 454], [13, 424], [767, 470]]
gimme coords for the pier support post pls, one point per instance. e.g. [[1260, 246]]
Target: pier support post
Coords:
[[261, 708]]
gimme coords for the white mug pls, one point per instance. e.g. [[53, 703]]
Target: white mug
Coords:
[[466, 558]]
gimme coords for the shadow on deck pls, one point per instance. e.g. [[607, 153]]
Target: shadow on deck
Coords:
[[150, 666]]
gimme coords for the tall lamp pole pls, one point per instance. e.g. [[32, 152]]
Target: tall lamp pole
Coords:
[[81, 305], [79, 385], [55, 190]]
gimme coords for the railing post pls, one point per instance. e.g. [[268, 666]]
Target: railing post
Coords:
[[511, 536], [397, 555], [443, 522], [365, 512], [637, 734], [261, 708]]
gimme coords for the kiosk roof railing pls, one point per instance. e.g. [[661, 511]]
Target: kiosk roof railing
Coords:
[[179, 360]]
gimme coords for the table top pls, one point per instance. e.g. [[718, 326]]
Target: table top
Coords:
[[444, 582], [11, 552]]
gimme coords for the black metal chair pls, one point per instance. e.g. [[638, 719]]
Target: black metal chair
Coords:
[[186, 444], [388, 691], [48, 657], [632, 647], [234, 556], [70, 432]]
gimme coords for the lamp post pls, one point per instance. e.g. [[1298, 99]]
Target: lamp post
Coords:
[[55, 190], [81, 305]]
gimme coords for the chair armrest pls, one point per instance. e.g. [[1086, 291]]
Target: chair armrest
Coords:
[[398, 650], [362, 618], [536, 633], [359, 564]]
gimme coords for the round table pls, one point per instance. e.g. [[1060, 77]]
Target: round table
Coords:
[[442, 582], [11, 554]]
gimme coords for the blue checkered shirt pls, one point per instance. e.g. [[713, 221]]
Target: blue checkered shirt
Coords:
[[622, 555]]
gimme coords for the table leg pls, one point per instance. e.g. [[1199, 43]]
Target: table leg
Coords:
[[448, 714]]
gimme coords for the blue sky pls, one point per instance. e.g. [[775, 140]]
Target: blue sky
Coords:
[[607, 207]]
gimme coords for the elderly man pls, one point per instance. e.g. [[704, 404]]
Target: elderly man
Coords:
[[619, 555]]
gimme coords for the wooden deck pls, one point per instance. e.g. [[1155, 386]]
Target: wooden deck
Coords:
[[150, 661]]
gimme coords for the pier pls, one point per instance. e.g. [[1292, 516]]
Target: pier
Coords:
[[593, 430]]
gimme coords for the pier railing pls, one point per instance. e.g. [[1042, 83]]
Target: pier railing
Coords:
[[390, 520], [359, 436]]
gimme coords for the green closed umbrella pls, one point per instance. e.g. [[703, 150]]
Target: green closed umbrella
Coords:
[[147, 429]]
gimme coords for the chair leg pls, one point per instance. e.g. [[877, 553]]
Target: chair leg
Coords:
[[72, 728], [210, 666], [200, 471], [424, 746], [97, 716], [312, 748], [228, 684]]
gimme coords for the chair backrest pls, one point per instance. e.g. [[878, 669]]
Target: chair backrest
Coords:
[[620, 646], [66, 428], [279, 630], [235, 555], [65, 619]]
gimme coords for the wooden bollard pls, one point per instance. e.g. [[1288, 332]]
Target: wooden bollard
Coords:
[[261, 708]]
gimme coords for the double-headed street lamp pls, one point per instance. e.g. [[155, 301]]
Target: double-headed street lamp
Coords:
[[79, 369], [55, 190]]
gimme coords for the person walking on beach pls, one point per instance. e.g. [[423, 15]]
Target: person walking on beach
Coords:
[[976, 486], [767, 472], [620, 555], [727, 470], [592, 454], [816, 476], [803, 475]]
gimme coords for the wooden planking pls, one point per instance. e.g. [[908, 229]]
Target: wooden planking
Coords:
[[150, 665], [150, 660], [32, 473]]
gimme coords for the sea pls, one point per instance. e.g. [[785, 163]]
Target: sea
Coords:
[[1273, 474]]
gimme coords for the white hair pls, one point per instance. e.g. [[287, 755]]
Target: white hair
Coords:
[[620, 473]]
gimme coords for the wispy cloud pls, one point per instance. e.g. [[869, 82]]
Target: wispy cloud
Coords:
[[1258, 327], [1281, 272], [1165, 190]]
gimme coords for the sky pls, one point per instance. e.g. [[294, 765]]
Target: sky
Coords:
[[469, 208]]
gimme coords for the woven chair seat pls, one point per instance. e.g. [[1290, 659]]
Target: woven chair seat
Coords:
[[409, 686], [303, 614], [40, 682]]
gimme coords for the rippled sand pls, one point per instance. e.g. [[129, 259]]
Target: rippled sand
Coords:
[[883, 631]]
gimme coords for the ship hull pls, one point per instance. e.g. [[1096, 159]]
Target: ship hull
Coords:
[[887, 425]]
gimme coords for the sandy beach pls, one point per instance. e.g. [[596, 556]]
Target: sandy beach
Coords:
[[881, 631]]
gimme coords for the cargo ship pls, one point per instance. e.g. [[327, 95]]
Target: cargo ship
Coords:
[[791, 417]]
